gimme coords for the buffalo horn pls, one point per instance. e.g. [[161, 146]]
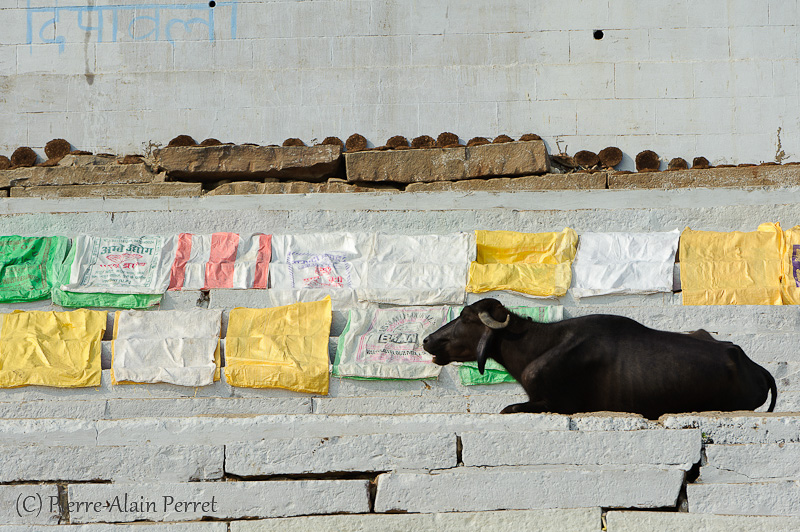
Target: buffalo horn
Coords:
[[482, 349], [492, 323]]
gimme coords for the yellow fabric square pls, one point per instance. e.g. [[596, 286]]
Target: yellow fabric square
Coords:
[[539, 264], [790, 266], [281, 347], [51, 348], [732, 268]]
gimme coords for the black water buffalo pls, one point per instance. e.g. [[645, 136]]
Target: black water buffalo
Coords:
[[604, 363]]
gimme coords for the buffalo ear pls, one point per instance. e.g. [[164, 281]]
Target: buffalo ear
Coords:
[[482, 349]]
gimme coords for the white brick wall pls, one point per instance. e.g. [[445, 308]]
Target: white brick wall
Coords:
[[678, 78]]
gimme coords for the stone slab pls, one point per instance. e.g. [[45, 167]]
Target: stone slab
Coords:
[[525, 488], [406, 166], [65, 432], [757, 498], [369, 452], [4, 192], [296, 187], [550, 520], [679, 448], [611, 421], [448, 164], [215, 431], [60, 408], [120, 464], [688, 522], [206, 406], [91, 503], [151, 190], [211, 163], [29, 504], [507, 159], [755, 462], [390, 405], [106, 390], [750, 176], [576, 181], [739, 427], [137, 527], [118, 174]]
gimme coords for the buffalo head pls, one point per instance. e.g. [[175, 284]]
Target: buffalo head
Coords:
[[467, 337]]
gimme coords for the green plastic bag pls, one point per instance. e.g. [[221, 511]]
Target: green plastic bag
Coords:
[[29, 266], [88, 300], [494, 373]]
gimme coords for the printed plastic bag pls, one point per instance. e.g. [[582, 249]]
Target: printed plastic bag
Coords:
[[418, 270], [314, 261], [790, 271], [493, 372], [281, 347], [29, 266], [175, 346], [624, 263], [51, 348], [121, 272], [387, 343], [221, 260], [537, 264], [733, 268]]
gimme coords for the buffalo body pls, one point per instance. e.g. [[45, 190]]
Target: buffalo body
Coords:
[[605, 363]]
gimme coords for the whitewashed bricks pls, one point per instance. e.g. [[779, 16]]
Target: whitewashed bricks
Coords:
[[680, 448], [496, 488], [756, 498], [752, 463], [550, 520], [688, 522], [369, 452], [114, 503], [29, 504], [120, 464]]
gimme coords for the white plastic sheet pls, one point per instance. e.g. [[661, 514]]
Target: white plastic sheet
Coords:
[[173, 346], [319, 261], [387, 343], [121, 265], [418, 270], [221, 260], [624, 263]]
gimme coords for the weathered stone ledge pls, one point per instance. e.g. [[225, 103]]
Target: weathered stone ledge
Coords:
[[333, 185], [576, 181], [212, 163], [448, 164], [747, 176], [93, 174], [149, 190]]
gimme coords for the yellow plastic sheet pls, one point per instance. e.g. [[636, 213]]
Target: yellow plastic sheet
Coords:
[[538, 264], [733, 268], [281, 347], [51, 348], [790, 266]]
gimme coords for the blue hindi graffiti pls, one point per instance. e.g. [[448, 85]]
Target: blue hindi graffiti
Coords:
[[132, 22]]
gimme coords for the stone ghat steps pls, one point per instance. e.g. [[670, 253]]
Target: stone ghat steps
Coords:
[[555, 520], [420, 465]]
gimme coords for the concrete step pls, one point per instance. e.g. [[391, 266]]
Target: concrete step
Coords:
[[550, 520], [618, 521], [225, 430], [467, 489], [753, 498]]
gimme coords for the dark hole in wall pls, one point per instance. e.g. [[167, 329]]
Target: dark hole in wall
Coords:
[[598, 34]]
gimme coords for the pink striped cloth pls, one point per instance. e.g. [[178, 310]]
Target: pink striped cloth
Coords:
[[221, 260]]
